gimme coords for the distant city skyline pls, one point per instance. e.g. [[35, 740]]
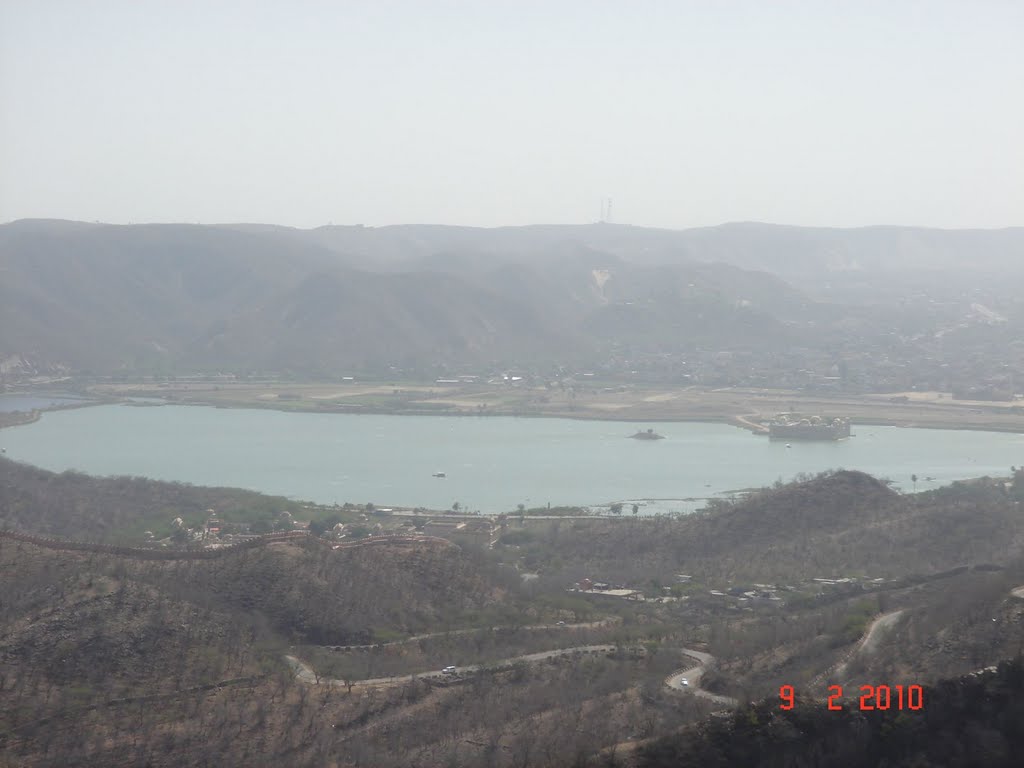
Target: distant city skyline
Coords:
[[683, 114]]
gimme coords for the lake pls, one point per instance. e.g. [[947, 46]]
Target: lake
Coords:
[[10, 403], [492, 463]]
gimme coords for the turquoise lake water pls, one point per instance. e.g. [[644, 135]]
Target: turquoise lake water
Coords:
[[492, 463]]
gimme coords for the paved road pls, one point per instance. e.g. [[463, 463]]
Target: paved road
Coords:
[[304, 673], [693, 676], [449, 633]]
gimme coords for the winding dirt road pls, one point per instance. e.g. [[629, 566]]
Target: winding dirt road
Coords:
[[692, 675], [304, 673], [870, 640], [607, 622]]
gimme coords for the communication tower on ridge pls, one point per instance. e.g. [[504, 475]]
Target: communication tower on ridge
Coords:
[[606, 210]]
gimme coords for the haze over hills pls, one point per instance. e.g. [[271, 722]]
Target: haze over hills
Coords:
[[782, 249], [164, 298]]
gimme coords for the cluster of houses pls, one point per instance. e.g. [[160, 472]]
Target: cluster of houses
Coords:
[[758, 593], [470, 533], [590, 587], [474, 533]]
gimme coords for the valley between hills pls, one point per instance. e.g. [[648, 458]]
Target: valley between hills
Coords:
[[306, 649], [148, 623]]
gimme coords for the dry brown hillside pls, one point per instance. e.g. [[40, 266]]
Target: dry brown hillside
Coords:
[[115, 509], [110, 660], [837, 524]]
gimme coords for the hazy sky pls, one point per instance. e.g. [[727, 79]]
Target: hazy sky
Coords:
[[490, 113]]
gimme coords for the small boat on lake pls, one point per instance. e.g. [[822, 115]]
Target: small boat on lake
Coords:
[[650, 434], [439, 474]]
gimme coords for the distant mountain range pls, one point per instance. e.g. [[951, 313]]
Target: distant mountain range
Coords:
[[174, 297], [784, 250]]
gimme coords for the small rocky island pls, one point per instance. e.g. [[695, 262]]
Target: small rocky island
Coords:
[[650, 434]]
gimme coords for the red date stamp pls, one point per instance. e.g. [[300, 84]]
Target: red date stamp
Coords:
[[872, 697]]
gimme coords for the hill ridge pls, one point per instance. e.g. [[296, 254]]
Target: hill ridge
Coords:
[[163, 298]]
